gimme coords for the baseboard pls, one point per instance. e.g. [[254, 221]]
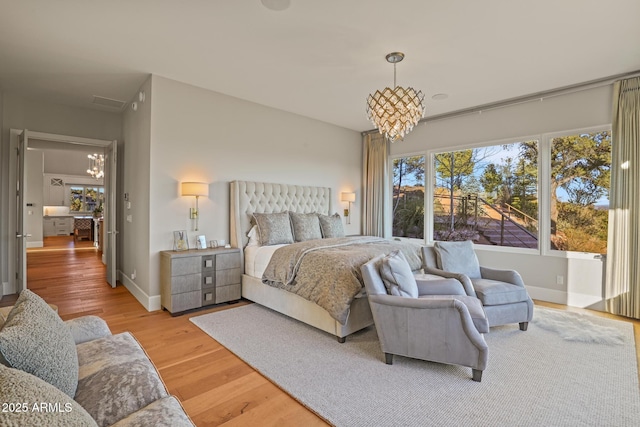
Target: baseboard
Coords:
[[572, 299], [151, 303], [39, 244], [8, 289]]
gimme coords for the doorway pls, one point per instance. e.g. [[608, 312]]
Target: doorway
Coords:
[[57, 194]]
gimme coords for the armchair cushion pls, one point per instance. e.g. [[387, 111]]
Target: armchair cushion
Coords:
[[494, 292], [397, 276], [34, 339], [458, 257], [430, 284]]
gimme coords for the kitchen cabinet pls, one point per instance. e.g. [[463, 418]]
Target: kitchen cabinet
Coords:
[[53, 191], [57, 226]]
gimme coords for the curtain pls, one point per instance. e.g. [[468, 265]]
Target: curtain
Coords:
[[623, 253], [376, 185]]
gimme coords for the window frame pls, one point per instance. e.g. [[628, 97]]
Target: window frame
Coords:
[[543, 189], [84, 195], [545, 169]]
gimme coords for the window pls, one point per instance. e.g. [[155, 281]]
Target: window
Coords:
[[408, 197], [85, 198], [487, 194], [579, 191], [499, 194]]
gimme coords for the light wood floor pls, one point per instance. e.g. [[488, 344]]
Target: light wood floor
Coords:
[[214, 386]]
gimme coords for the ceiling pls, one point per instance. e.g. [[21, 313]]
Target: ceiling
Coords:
[[319, 59]]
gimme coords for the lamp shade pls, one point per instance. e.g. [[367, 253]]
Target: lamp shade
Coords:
[[195, 189], [348, 197]]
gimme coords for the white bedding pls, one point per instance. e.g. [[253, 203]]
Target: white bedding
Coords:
[[256, 259]]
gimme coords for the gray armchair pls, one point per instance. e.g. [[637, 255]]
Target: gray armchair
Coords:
[[502, 292], [440, 324]]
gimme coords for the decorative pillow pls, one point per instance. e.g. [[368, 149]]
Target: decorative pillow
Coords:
[[306, 226], [397, 276], [253, 236], [34, 339], [458, 257], [33, 402], [331, 226], [273, 228]]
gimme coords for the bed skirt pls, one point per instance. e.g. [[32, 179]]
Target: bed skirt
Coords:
[[305, 311]]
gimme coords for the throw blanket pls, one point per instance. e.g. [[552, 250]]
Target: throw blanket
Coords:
[[327, 271]]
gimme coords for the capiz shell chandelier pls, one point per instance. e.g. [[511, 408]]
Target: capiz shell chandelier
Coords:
[[96, 165], [394, 112]]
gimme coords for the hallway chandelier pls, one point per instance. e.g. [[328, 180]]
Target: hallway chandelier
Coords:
[[96, 165], [395, 112]]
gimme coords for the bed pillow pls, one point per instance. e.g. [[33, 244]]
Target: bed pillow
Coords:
[[397, 276], [273, 228], [306, 226], [34, 339], [458, 257], [331, 226], [253, 236]]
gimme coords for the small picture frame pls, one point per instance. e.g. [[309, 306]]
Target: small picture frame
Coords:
[[180, 240], [201, 242]]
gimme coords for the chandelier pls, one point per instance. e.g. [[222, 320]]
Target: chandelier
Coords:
[[395, 112], [96, 165]]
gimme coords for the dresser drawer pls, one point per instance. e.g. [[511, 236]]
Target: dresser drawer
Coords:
[[226, 261], [187, 265], [228, 277], [228, 293], [185, 301], [186, 283]]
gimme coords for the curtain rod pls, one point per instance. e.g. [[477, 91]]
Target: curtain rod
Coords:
[[538, 96]]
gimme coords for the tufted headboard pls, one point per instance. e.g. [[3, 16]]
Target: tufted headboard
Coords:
[[248, 197]]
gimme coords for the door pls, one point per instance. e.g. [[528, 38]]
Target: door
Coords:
[[21, 235], [110, 209]]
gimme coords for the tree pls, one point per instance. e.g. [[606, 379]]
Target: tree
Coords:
[[453, 168], [406, 170], [491, 180], [578, 162]]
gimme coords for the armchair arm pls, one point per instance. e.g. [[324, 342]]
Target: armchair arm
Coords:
[[87, 328], [508, 276], [466, 282]]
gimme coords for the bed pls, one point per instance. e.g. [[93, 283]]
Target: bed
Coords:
[[248, 198]]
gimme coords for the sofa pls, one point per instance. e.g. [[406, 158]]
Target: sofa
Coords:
[[76, 373]]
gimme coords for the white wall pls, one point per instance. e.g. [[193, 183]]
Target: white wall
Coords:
[[34, 197], [582, 109], [134, 235], [199, 135], [22, 113]]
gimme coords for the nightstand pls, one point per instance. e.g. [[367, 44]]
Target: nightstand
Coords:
[[198, 278]]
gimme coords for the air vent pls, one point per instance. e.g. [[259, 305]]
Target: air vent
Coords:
[[107, 102]]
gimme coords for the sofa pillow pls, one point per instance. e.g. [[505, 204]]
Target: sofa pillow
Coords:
[[33, 402], [34, 339], [458, 257], [273, 228], [306, 226], [331, 225], [397, 276]]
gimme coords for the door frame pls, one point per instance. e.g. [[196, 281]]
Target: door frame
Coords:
[[14, 137]]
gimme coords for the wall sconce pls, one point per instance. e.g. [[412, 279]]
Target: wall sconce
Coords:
[[196, 189], [348, 197]]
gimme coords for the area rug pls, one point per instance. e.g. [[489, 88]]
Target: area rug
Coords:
[[534, 378]]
